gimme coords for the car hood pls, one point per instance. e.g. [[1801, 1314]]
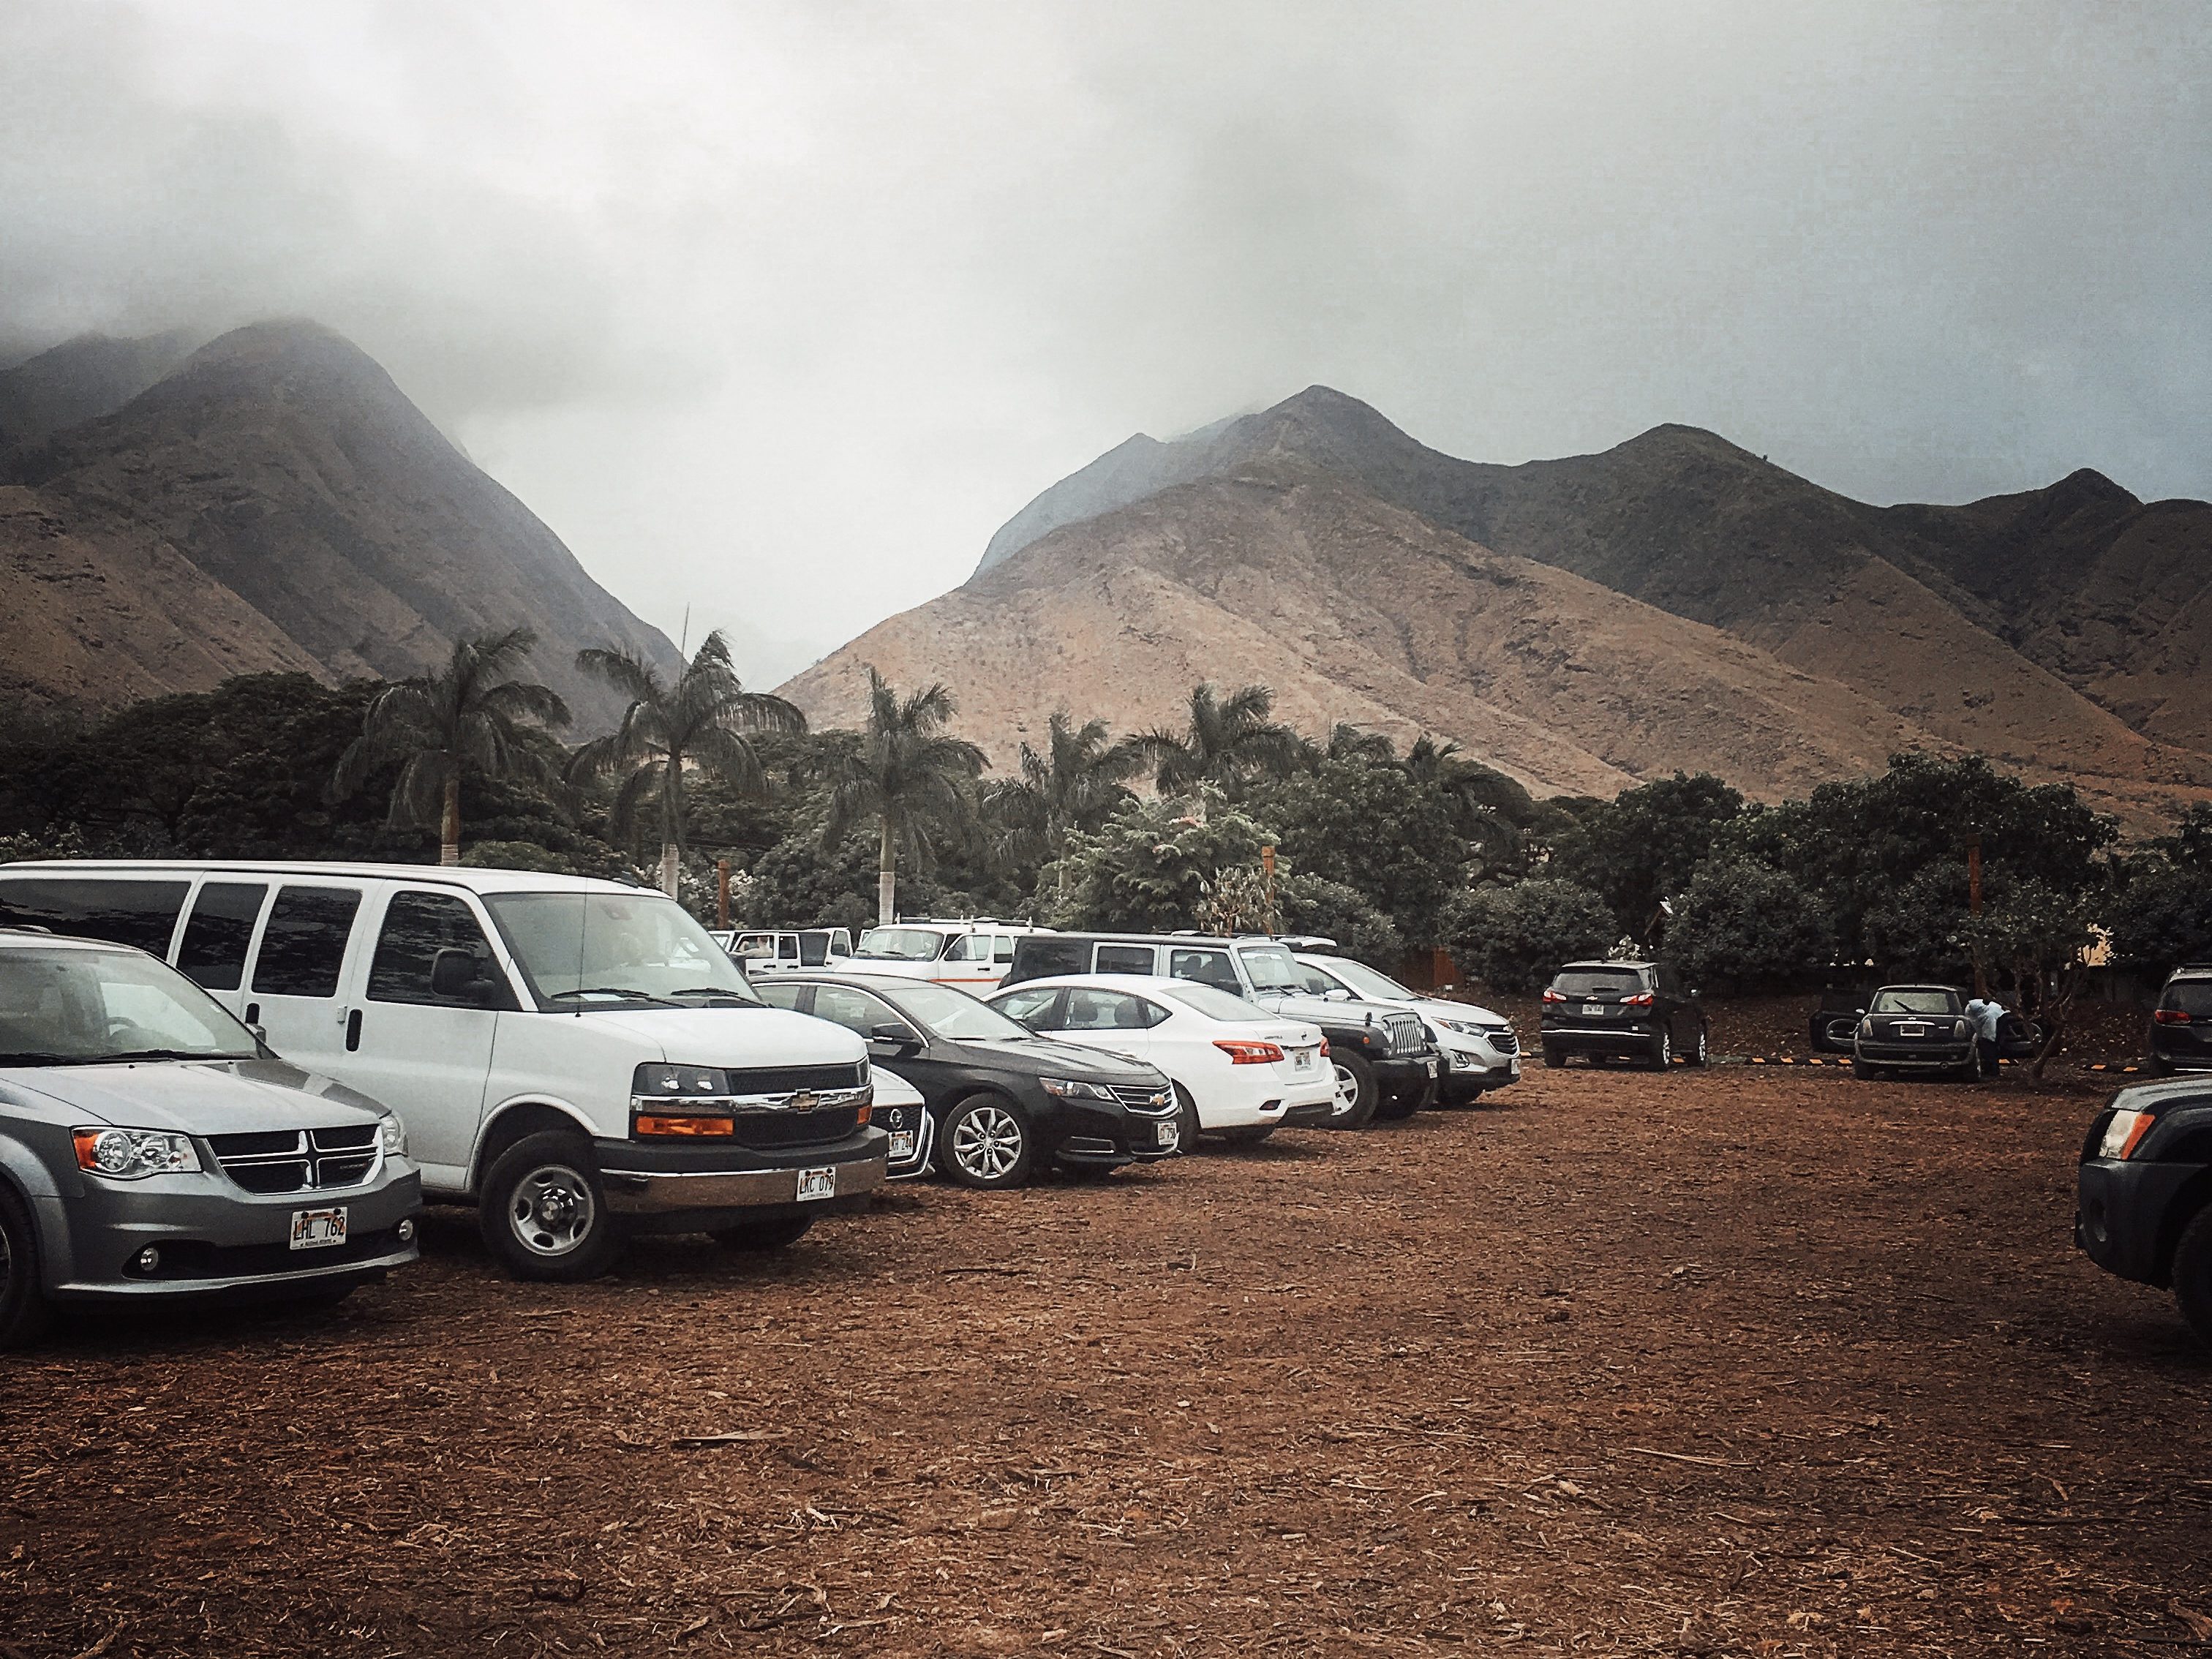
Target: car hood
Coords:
[[891, 1089], [730, 1038], [1319, 1010], [199, 1097], [1438, 1008], [1046, 1057]]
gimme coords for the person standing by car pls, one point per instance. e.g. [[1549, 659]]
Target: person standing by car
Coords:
[[1984, 1014]]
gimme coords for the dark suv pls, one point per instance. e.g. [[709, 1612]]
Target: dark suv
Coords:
[[2144, 1192], [2181, 1025], [1622, 1011]]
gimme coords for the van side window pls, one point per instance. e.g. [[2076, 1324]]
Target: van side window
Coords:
[[416, 927], [220, 929], [1206, 966], [1002, 948], [1044, 958], [303, 945], [140, 914], [1126, 958], [971, 947]]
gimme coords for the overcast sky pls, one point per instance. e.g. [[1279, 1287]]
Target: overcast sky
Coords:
[[779, 310]]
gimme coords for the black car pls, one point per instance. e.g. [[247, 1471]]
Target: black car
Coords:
[[2181, 1025], [2144, 1192], [1606, 1011], [1006, 1103], [1915, 1028]]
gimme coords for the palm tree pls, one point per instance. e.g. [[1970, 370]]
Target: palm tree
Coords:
[[701, 718], [908, 776], [1228, 743], [473, 713], [1493, 811], [1076, 783], [1349, 742]]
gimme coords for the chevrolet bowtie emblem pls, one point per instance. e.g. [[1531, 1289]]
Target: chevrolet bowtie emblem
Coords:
[[804, 1101]]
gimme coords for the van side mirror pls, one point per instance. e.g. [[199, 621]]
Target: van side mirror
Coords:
[[457, 976]]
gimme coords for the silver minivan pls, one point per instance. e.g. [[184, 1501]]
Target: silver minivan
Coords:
[[577, 1058]]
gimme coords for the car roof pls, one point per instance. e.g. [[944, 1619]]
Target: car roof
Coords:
[[471, 878], [29, 938], [1223, 940], [1919, 985], [1157, 984], [1605, 967]]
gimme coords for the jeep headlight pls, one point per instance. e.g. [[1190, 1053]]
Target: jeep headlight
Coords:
[[392, 1135], [1068, 1088], [134, 1154]]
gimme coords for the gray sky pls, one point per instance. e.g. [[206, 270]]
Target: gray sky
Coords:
[[778, 310]]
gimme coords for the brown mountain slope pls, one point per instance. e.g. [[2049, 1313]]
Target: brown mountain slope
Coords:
[[1354, 609], [284, 465]]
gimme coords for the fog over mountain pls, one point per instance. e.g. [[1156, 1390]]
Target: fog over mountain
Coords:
[[778, 312]]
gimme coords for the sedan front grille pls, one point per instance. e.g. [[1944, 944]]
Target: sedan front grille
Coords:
[[298, 1160], [1138, 1098]]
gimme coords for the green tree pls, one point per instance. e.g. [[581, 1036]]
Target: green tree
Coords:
[[910, 777], [1377, 830], [1743, 921], [1152, 867], [1225, 743], [705, 718], [473, 714], [1643, 846], [1307, 903], [1076, 781], [2160, 913], [1514, 939]]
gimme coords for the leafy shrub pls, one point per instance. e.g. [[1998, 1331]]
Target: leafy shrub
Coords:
[[1744, 922], [1512, 939]]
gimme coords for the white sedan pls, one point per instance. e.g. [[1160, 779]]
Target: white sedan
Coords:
[[1239, 1072]]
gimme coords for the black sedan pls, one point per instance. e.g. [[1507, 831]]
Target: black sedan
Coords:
[[1006, 1103], [1915, 1028]]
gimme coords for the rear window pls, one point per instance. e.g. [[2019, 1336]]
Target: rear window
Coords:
[[1219, 1004], [1914, 1002], [2192, 996], [1125, 959], [1599, 982], [139, 913]]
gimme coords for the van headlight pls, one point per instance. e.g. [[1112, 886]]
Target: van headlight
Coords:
[[134, 1154], [392, 1135], [661, 1081]]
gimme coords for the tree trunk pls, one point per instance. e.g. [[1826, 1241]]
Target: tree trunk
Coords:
[[449, 824], [671, 835], [887, 874], [671, 870]]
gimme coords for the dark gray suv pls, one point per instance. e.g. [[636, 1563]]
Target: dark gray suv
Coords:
[[152, 1147]]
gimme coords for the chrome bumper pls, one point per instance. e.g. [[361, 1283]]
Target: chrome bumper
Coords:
[[637, 1192]]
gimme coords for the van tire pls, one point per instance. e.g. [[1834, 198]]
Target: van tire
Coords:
[[25, 1314], [1354, 1075], [545, 1189], [772, 1233], [2192, 1274]]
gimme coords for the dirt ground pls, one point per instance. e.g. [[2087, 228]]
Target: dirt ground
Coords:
[[1738, 1362]]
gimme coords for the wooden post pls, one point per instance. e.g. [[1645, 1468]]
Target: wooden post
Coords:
[[721, 892], [1974, 907], [1268, 883]]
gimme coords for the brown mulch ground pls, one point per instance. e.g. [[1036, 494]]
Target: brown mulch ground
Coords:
[[1760, 1362]]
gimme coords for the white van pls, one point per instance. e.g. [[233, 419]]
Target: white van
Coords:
[[576, 1057], [973, 953], [772, 950]]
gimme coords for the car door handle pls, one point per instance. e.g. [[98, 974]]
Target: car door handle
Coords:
[[353, 1030]]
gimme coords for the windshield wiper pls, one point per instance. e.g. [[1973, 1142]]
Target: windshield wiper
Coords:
[[623, 992], [40, 1057], [170, 1054], [737, 996]]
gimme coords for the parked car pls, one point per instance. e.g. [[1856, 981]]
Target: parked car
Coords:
[[2144, 1193], [1007, 1103], [1476, 1050], [1835, 1019], [1238, 1071], [2181, 1025], [151, 1148], [973, 954], [1385, 1063], [903, 1116], [576, 1057], [1915, 1028], [762, 951], [1606, 1011]]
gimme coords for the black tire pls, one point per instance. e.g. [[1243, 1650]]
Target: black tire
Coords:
[[1247, 1134], [1187, 1127], [543, 1212], [1662, 1050], [1355, 1080], [1702, 1052], [986, 1142], [1554, 1056], [25, 1314], [772, 1233], [2192, 1274]]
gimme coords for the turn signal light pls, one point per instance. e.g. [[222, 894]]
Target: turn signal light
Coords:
[[866, 1112], [661, 1125], [1250, 1053]]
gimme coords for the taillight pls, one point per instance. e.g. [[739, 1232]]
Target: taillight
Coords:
[[1250, 1053], [1643, 1001], [2172, 1016], [1554, 996], [1324, 1048]]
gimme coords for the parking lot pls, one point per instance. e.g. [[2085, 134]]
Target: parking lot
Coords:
[[1745, 1362]]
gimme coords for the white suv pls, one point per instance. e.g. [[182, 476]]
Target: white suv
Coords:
[[1481, 1050], [577, 1057]]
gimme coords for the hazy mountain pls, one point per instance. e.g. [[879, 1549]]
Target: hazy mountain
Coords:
[[278, 501]]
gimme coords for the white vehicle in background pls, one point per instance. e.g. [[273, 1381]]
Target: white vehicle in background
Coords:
[[1239, 1071], [771, 950], [973, 953], [901, 1114], [1481, 1050]]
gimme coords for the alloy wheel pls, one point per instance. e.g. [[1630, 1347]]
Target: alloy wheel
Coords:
[[1347, 1092], [987, 1143], [552, 1211]]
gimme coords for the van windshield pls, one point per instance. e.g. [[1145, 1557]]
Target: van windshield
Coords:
[[579, 949], [77, 1008], [900, 945]]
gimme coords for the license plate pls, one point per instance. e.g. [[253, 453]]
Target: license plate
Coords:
[[817, 1183], [1432, 1066], [902, 1144], [1169, 1133], [318, 1230], [1592, 1008], [1302, 1059], [1912, 1031], [1514, 1070]]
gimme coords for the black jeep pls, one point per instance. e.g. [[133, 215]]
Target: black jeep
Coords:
[[2144, 1192]]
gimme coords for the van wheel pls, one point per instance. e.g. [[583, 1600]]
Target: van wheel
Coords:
[[544, 1212], [25, 1313], [986, 1143], [1355, 1093], [1186, 1123], [772, 1233], [2192, 1274]]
